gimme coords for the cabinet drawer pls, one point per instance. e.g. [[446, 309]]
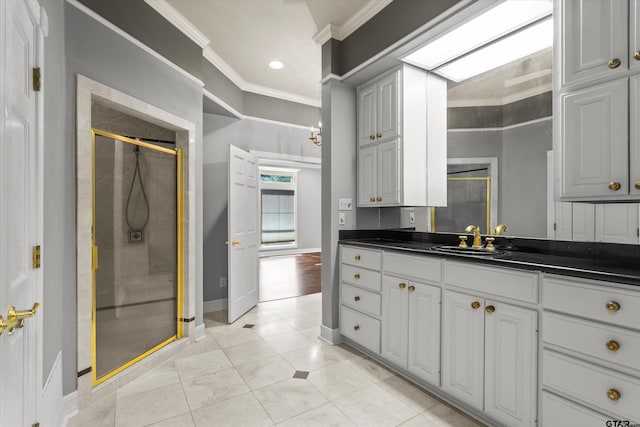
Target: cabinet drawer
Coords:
[[422, 268], [360, 299], [361, 257], [514, 284], [360, 328], [559, 412], [590, 383], [361, 277], [592, 300], [593, 339]]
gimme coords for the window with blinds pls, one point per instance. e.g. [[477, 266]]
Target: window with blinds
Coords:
[[278, 216]]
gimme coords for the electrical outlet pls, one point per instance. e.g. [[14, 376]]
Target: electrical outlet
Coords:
[[342, 219], [412, 217], [345, 204], [223, 282]]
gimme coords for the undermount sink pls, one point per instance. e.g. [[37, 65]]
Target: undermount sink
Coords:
[[482, 252]]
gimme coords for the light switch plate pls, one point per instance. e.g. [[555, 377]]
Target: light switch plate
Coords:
[[342, 219], [412, 217], [345, 204]]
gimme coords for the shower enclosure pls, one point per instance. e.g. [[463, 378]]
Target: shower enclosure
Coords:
[[137, 250]]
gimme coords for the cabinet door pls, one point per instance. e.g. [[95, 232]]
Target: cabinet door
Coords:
[[510, 364], [389, 173], [634, 136], [394, 320], [593, 34], [367, 176], [583, 228], [617, 222], [463, 347], [367, 114], [634, 34], [388, 117], [563, 221], [595, 137], [424, 332]]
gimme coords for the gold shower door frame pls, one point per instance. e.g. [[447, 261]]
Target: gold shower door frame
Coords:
[[94, 251], [488, 202]]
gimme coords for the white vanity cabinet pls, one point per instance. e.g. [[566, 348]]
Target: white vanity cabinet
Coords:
[[490, 344], [591, 336], [411, 314], [402, 139]]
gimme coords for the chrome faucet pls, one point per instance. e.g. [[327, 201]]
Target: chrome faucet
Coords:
[[499, 229], [477, 240]]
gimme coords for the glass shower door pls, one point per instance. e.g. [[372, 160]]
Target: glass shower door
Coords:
[[136, 253]]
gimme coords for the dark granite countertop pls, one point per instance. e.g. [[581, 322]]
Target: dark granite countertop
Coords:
[[599, 261]]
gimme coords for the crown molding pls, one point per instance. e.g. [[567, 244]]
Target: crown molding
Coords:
[[169, 13], [539, 90], [356, 21]]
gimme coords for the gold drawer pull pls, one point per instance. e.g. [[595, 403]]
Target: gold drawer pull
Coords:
[[412, 288], [614, 186], [357, 257], [356, 298], [372, 199], [613, 345], [378, 199], [402, 285], [372, 137], [613, 394], [475, 305], [356, 328], [614, 63], [379, 135], [637, 185], [356, 276], [637, 55], [613, 306], [490, 309]]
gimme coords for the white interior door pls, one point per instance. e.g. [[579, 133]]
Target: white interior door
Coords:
[[243, 232], [19, 213]]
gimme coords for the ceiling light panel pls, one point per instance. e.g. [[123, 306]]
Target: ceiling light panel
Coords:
[[276, 65], [496, 22]]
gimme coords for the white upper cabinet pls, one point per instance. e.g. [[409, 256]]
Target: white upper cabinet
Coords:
[[634, 136], [409, 130], [594, 39], [617, 222], [634, 35]]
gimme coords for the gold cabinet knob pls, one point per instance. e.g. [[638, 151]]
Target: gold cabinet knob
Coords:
[[463, 242], [613, 306], [357, 257], [614, 63], [372, 199], [402, 285], [372, 137], [613, 345], [637, 55], [356, 276], [475, 305], [356, 328], [613, 394], [356, 298], [490, 309], [412, 288], [614, 186], [637, 185], [233, 242], [378, 199], [378, 135]]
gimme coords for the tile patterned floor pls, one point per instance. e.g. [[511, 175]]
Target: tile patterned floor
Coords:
[[240, 376]]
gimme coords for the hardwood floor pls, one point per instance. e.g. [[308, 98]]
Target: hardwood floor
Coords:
[[286, 276]]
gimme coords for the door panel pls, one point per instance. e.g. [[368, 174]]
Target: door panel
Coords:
[[424, 332], [388, 126], [367, 115], [388, 173], [394, 320], [367, 176], [617, 222]]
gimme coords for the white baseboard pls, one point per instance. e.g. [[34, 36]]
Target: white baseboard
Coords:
[[51, 412], [199, 332], [214, 305], [331, 336], [69, 407], [276, 252]]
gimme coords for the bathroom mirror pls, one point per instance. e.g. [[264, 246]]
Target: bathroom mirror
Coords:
[[504, 115]]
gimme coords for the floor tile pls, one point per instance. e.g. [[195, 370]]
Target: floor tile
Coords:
[[249, 352], [313, 357], [274, 328], [101, 413], [242, 410], [157, 404], [234, 336], [288, 342], [419, 421], [325, 415], [265, 372], [184, 420], [444, 415], [409, 393], [202, 364], [213, 388], [289, 398], [371, 407], [155, 378], [370, 369], [338, 380]]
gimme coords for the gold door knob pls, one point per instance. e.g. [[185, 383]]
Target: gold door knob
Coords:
[[613, 306], [372, 199], [613, 394], [490, 309], [356, 276], [412, 288], [637, 185], [379, 135], [475, 305], [233, 243], [637, 55], [378, 199], [614, 186], [356, 298], [357, 257], [613, 345], [614, 63], [372, 137], [356, 328], [402, 285], [15, 319]]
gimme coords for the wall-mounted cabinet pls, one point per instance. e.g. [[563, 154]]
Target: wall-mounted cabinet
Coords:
[[402, 140]]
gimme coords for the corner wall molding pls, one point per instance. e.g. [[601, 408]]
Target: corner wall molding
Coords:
[[331, 336], [69, 407], [169, 13], [214, 305], [356, 21]]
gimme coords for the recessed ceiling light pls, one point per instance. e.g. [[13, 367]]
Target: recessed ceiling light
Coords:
[[276, 65]]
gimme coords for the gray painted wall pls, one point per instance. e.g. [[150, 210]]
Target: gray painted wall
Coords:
[[219, 133]]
